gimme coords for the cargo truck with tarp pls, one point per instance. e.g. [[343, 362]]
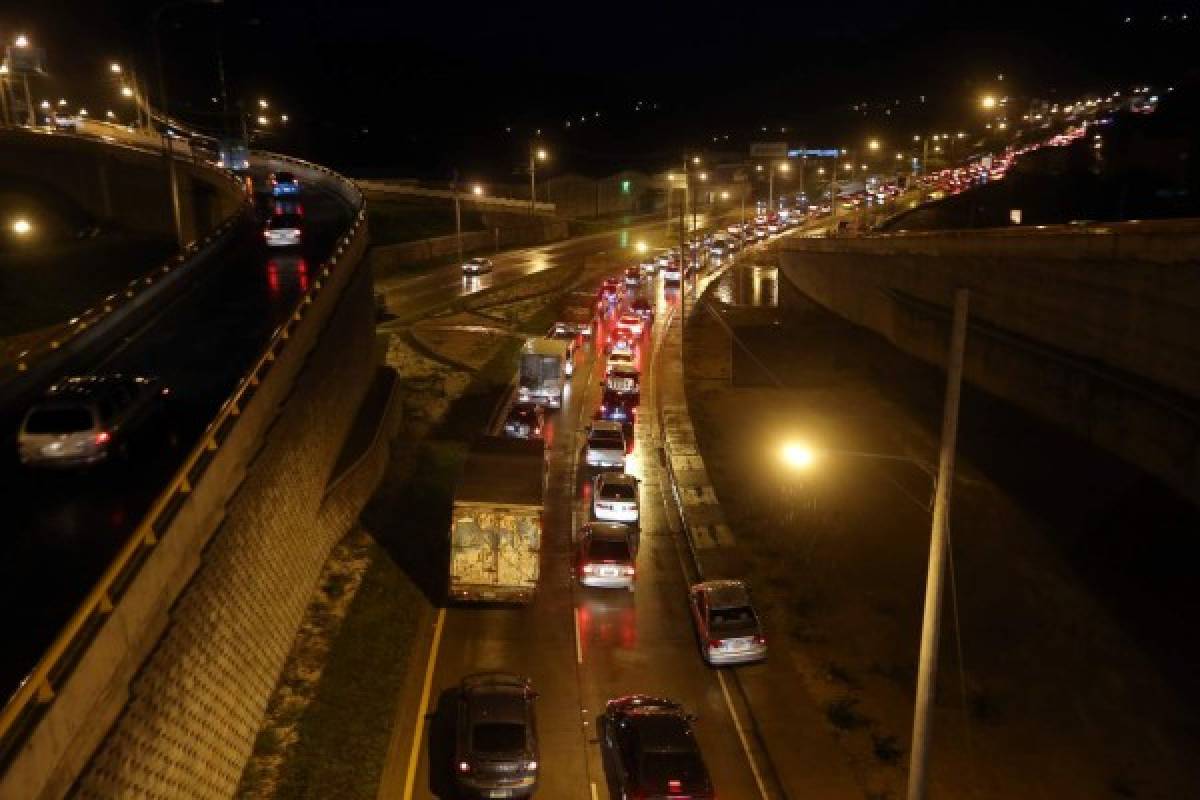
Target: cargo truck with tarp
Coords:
[[496, 522]]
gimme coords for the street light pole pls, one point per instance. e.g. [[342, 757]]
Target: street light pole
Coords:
[[457, 220], [176, 212], [532, 179], [931, 623]]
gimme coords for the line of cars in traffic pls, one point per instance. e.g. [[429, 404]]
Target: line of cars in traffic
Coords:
[[648, 740]]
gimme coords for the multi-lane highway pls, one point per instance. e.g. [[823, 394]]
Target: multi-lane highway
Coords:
[[584, 646], [407, 295], [62, 529]]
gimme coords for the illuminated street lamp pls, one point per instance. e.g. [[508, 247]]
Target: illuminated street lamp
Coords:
[[783, 167], [988, 102], [642, 247], [477, 190], [873, 145], [263, 103], [126, 91], [21, 41], [263, 121], [114, 68], [536, 154], [21, 226]]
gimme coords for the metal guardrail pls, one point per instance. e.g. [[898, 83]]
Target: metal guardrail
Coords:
[[37, 690]]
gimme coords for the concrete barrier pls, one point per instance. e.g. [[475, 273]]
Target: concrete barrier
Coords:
[[409, 188], [1092, 329], [126, 667]]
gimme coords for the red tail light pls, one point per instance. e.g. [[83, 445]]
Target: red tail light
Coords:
[[588, 569], [760, 639], [464, 767], [713, 644], [103, 437], [629, 570], [674, 786]]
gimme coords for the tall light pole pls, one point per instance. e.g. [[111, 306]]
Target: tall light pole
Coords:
[[932, 620], [176, 210], [22, 42], [536, 154], [457, 221], [783, 167]]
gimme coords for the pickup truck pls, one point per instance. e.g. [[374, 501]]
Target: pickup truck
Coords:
[[496, 522]]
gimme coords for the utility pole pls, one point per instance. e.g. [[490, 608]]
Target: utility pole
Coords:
[[4, 96], [532, 179], [29, 102], [771, 190], [931, 623], [683, 256], [457, 220], [176, 211]]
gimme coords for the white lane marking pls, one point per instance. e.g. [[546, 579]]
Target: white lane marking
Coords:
[[578, 644], [595, 795], [418, 727], [737, 724]]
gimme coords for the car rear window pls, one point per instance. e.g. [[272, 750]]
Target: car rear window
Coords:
[[498, 737], [732, 617], [618, 491], [285, 177], [59, 420], [608, 550], [660, 767], [285, 221], [606, 439]]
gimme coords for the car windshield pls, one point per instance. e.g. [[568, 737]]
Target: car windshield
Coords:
[[59, 420], [659, 767], [498, 737], [618, 491], [608, 550], [731, 617]]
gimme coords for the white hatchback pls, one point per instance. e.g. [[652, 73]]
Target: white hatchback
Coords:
[[615, 497]]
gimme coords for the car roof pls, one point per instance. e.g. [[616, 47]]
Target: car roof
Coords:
[[662, 731], [607, 426], [725, 594]]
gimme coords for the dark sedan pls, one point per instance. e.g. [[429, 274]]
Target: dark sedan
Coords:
[[654, 750], [496, 746]]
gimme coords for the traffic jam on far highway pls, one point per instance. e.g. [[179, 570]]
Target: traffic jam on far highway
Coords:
[[498, 524]]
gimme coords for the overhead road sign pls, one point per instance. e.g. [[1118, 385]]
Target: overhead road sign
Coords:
[[829, 153]]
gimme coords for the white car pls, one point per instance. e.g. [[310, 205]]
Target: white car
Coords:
[[284, 230], [605, 448], [619, 359], [477, 266], [727, 626], [615, 498]]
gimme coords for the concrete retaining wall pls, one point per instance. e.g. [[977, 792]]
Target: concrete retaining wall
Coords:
[[386, 258], [195, 708], [1104, 347]]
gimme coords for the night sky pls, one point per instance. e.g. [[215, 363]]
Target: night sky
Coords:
[[415, 89]]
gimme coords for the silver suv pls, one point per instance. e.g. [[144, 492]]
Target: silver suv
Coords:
[[84, 420]]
